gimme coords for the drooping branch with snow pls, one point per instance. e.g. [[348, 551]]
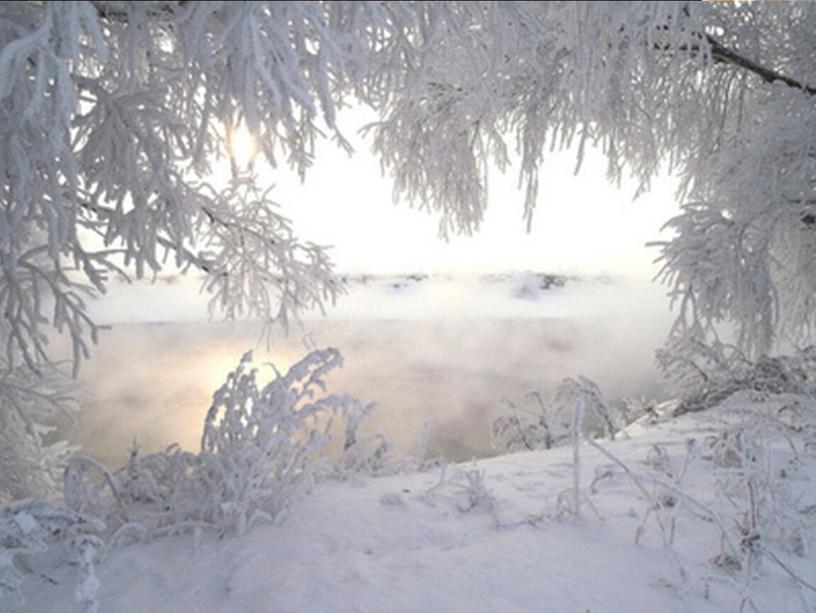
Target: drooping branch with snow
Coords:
[[113, 114]]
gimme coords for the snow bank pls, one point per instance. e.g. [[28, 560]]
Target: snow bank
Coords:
[[415, 542]]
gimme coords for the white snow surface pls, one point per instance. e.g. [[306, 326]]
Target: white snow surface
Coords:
[[406, 543]]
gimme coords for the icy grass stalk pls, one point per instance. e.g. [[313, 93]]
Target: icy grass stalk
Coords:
[[577, 420], [582, 397], [88, 586]]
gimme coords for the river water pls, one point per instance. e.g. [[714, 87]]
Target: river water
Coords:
[[430, 356]]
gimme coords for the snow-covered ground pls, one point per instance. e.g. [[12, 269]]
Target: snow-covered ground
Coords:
[[485, 537]]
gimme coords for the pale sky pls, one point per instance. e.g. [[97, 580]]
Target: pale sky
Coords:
[[582, 225]]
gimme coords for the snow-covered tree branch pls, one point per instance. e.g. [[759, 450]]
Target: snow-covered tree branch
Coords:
[[114, 112]]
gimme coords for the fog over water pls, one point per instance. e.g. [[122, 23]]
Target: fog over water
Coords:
[[441, 351]]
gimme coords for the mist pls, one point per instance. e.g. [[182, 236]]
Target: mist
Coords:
[[441, 351]]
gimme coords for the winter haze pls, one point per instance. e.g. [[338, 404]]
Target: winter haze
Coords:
[[434, 332]]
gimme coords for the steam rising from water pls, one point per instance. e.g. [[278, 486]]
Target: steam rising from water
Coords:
[[440, 351]]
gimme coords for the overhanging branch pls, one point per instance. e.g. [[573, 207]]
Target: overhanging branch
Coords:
[[721, 53]]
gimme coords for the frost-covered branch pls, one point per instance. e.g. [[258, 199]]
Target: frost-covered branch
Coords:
[[115, 112], [721, 53]]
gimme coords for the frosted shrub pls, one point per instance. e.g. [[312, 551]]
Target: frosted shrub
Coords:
[[583, 398], [703, 375], [257, 441], [576, 403], [524, 428], [32, 526], [533, 424], [31, 405], [259, 444], [467, 487]]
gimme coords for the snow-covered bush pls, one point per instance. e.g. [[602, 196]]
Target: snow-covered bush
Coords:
[[32, 526], [467, 487], [583, 399], [260, 443], [32, 405], [705, 374], [257, 440], [523, 428], [535, 424]]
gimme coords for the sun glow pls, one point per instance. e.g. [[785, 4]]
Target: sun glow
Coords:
[[242, 148]]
